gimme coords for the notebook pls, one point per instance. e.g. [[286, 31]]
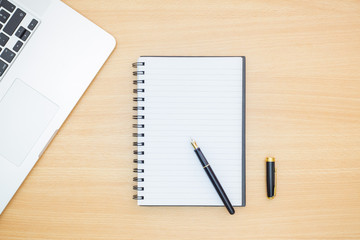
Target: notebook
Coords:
[[179, 98]]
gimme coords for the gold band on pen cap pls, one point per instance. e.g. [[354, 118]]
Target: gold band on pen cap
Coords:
[[270, 159]]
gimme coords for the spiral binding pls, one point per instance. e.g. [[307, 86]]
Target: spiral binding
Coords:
[[136, 179], [137, 161], [136, 197], [138, 99], [138, 64], [138, 144], [137, 82], [138, 126], [138, 117], [139, 90], [136, 152], [138, 135], [138, 73]]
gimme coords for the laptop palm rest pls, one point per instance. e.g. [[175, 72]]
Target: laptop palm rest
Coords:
[[24, 116]]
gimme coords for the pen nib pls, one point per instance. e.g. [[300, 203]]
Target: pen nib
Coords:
[[193, 143]]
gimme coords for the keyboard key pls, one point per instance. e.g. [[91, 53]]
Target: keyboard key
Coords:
[[3, 67], [1, 26], [20, 32], [7, 55], [33, 24], [17, 46], [4, 16], [7, 5], [3, 39], [25, 35], [14, 22]]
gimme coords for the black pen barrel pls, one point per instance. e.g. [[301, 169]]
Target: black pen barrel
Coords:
[[219, 189], [201, 157]]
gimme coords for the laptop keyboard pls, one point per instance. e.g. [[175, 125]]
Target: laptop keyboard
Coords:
[[16, 27]]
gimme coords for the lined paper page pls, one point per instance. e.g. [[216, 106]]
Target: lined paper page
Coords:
[[198, 97]]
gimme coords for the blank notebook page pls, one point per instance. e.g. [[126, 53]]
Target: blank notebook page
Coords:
[[184, 97]]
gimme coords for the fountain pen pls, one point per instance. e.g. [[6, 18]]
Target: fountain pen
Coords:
[[213, 178]]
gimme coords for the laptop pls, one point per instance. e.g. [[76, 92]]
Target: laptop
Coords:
[[49, 54]]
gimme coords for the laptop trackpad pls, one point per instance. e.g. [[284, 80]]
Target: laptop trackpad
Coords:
[[24, 115]]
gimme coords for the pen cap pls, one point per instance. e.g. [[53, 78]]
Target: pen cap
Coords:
[[270, 177]]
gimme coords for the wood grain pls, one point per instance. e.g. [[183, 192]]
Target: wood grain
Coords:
[[303, 107]]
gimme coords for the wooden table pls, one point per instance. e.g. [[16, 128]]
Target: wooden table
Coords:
[[303, 95]]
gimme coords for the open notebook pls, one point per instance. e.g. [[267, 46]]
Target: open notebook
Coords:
[[183, 97]]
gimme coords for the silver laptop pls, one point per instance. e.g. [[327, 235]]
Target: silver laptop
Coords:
[[49, 55]]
